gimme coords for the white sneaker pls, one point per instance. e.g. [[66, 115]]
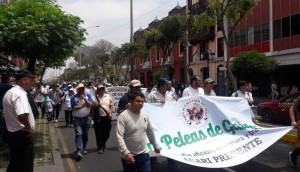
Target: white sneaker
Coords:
[[56, 121], [84, 152]]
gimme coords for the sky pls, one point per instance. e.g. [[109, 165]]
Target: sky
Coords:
[[113, 16]]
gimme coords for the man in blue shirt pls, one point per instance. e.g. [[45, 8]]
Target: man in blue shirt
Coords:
[[81, 104]]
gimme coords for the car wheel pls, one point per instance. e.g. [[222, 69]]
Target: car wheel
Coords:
[[267, 115]]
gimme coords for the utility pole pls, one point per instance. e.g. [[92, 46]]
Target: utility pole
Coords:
[[131, 40]]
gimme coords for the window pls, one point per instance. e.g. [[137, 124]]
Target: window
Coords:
[[277, 29], [257, 33], [243, 37], [231, 40], [190, 53], [157, 53], [250, 35], [295, 24], [286, 27], [181, 49], [265, 32], [221, 47], [237, 41]]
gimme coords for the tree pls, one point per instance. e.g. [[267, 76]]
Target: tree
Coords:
[[197, 26], [170, 30], [227, 14], [119, 59], [38, 30], [6, 66], [251, 64]]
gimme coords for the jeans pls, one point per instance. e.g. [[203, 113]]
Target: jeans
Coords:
[[82, 126], [21, 152], [142, 164]]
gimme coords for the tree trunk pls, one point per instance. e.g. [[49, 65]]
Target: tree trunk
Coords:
[[42, 74], [31, 65]]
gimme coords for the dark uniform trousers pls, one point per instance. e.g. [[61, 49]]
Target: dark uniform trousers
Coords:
[[21, 152]]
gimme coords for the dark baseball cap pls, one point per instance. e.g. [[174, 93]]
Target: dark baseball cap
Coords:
[[22, 73]]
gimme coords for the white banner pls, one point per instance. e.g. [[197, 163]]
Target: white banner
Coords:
[[209, 131], [116, 93]]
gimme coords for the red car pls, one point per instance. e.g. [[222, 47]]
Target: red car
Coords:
[[277, 109]]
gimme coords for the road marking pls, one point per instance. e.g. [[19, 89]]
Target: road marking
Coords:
[[66, 150]]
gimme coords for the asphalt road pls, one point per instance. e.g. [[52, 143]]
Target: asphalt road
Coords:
[[273, 159]]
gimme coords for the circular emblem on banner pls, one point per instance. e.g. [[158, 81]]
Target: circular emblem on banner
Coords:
[[194, 113]]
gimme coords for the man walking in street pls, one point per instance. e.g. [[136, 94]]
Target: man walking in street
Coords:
[[55, 95], [296, 152], [159, 96], [102, 117], [194, 89], [209, 87], [20, 123], [133, 128], [81, 104]]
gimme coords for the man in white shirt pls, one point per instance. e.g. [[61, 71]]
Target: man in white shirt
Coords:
[[90, 89], [159, 96], [148, 90], [209, 87], [20, 123], [194, 89], [242, 92]]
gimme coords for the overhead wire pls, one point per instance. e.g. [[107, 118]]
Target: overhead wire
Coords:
[[118, 28]]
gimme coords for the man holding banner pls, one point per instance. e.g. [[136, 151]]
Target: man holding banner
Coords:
[[132, 127], [194, 89], [296, 152], [159, 96]]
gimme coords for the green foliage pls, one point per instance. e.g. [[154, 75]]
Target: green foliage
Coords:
[[170, 30], [199, 24], [233, 10], [153, 37], [38, 30], [159, 74], [6, 66], [249, 63]]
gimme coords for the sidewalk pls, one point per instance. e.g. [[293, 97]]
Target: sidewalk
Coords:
[[58, 164]]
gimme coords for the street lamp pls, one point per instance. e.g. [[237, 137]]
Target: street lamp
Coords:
[[83, 48]]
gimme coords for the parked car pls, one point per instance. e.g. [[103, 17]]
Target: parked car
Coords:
[[277, 109]]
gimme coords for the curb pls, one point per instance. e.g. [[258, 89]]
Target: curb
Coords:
[[58, 164]]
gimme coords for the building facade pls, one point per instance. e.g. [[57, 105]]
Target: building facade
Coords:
[[175, 63], [272, 27]]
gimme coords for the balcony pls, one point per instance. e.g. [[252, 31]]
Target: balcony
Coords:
[[147, 65], [169, 61], [197, 8], [208, 35]]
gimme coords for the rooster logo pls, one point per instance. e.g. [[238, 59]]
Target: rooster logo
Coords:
[[194, 113]]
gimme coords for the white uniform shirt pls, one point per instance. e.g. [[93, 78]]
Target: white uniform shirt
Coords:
[[189, 91], [15, 103], [106, 103], [155, 97]]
